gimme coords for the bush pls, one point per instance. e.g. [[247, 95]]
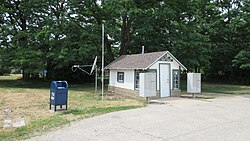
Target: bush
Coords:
[[4, 71]]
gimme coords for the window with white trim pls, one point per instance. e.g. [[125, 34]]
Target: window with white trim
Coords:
[[176, 79], [120, 77], [137, 79]]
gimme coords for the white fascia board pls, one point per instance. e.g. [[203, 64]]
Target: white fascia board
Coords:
[[156, 60], [167, 52], [127, 69], [177, 60]]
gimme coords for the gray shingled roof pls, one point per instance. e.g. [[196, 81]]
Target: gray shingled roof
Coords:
[[136, 61]]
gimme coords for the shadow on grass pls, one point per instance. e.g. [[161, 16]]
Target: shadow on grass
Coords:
[[41, 84], [35, 84], [226, 89]]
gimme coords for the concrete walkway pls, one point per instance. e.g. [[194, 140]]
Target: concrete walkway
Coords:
[[173, 119]]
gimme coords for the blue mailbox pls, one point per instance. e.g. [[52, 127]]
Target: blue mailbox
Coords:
[[58, 94]]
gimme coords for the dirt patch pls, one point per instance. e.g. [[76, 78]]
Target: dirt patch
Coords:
[[27, 103]]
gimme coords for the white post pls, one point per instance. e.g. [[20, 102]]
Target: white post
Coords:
[[96, 79], [142, 50], [102, 60]]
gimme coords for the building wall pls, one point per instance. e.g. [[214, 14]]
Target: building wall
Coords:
[[128, 79], [173, 65]]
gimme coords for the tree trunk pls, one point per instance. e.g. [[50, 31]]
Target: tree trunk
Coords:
[[125, 35], [50, 71], [23, 73], [109, 48], [26, 75]]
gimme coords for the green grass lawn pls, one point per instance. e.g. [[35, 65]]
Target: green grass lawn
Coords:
[[227, 89], [30, 100], [220, 88]]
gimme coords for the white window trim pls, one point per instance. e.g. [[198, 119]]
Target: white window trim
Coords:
[[174, 70], [119, 80]]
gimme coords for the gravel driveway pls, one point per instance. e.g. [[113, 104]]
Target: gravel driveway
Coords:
[[172, 119]]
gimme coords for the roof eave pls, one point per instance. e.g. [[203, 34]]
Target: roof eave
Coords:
[[167, 52], [126, 68], [157, 60], [177, 61]]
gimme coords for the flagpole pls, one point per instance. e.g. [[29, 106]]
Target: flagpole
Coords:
[[102, 60]]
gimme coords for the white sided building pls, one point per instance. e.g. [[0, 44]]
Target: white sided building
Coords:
[[124, 73]]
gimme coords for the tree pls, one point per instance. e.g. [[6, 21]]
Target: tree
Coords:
[[228, 39], [207, 36]]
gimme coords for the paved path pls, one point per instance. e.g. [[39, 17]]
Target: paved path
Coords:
[[223, 118]]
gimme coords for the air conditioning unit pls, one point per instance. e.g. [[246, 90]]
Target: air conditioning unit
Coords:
[[147, 84]]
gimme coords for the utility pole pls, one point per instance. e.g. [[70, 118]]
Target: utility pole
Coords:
[[102, 60]]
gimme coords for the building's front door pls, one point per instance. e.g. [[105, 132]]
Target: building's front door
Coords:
[[165, 80]]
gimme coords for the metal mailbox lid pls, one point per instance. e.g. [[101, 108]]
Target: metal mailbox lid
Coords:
[[59, 85]]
